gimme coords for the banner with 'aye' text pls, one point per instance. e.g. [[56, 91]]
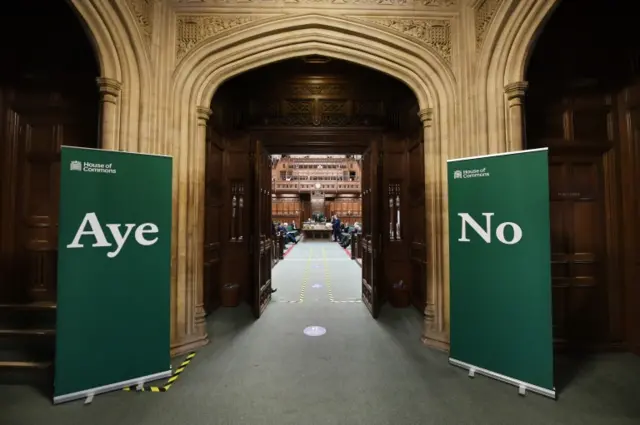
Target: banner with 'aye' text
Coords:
[[114, 265]]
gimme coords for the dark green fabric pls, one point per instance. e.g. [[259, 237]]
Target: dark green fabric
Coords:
[[113, 310], [501, 292]]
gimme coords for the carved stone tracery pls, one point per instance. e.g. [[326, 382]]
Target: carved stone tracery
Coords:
[[485, 11], [435, 33], [351, 4], [191, 30], [142, 11]]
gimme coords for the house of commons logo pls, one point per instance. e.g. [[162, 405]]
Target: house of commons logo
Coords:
[[90, 167], [470, 174]]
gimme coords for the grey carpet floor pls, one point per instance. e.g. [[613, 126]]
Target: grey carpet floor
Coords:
[[362, 371]]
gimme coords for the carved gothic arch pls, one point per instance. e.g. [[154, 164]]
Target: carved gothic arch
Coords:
[[221, 57], [205, 68], [501, 70], [214, 60], [124, 66]]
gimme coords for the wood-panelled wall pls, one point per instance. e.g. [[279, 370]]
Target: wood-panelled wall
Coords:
[[48, 98], [349, 210], [404, 209], [583, 105], [229, 216], [286, 210]]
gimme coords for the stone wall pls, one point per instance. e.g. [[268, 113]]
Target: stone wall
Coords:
[[161, 62]]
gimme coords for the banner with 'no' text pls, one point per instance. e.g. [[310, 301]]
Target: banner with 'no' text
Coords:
[[500, 268], [114, 265]]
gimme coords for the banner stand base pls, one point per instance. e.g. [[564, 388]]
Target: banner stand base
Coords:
[[522, 386], [92, 392]]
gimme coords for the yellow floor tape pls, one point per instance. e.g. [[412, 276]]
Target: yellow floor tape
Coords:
[[327, 276], [170, 381], [305, 277]]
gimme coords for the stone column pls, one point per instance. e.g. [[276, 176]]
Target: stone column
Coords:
[[109, 93], [192, 333], [515, 97], [198, 218], [434, 332]]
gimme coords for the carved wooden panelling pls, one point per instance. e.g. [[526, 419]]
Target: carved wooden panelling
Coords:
[[581, 106], [214, 219], [48, 98], [287, 210], [299, 107], [235, 227], [36, 127], [317, 113], [632, 137], [317, 89], [577, 247]]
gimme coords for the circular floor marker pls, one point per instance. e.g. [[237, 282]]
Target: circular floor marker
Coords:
[[314, 331], [316, 285], [317, 266]]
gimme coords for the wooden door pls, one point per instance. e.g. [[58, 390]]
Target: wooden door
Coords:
[[214, 203], [630, 134], [261, 238], [578, 251], [371, 236], [417, 225], [36, 124]]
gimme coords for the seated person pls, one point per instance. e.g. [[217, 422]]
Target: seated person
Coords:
[[346, 237], [351, 232], [288, 237], [292, 230]]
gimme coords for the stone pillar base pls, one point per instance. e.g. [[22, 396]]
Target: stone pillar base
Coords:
[[184, 347], [437, 340]]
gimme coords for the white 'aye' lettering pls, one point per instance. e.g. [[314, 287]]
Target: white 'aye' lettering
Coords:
[[95, 230], [485, 233]]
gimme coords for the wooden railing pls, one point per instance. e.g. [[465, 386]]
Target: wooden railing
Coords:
[[356, 247], [325, 186], [278, 248]]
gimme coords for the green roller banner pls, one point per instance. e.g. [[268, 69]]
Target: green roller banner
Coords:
[[500, 259], [114, 265]]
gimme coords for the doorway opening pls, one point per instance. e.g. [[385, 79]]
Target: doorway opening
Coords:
[[317, 210], [583, 103], [48, 98], [310, 191], [303, 140]]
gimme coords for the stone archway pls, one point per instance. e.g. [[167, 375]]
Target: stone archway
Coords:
[[211, 62], [502, 63], [124, 74]]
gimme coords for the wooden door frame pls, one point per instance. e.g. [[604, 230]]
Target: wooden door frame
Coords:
[[372, 246], [629, 101], [260, 244]]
